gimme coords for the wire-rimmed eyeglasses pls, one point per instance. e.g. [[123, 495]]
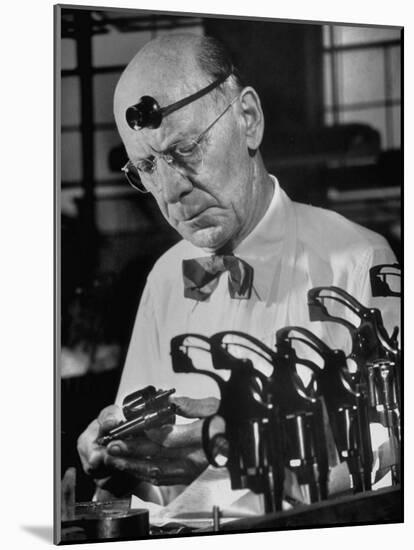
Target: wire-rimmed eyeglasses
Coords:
[[186, 156]]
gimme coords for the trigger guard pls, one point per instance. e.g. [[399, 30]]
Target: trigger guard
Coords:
[[208, 444]]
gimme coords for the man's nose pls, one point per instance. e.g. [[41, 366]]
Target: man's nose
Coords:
[[173, 184]]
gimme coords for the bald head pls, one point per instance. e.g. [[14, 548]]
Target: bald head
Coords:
[[169, 68]]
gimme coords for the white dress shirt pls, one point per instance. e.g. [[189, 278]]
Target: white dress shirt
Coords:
[[294, 248]]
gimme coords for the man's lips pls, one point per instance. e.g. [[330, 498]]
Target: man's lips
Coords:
[[190, 216], [194, 216]]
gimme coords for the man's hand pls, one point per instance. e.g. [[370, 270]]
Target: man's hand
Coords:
[[93, 455], [170, 455]]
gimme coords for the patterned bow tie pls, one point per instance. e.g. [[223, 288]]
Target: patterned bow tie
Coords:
[[201, 276]]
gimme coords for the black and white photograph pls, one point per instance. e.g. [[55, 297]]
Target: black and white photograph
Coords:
[[228, 228]]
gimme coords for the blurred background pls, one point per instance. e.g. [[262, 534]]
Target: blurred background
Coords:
[[332, 102]]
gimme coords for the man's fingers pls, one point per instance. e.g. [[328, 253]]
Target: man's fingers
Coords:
[[184, 435], [86, 444], [95, 460], [195, 408], [161, 471], [146, 449], [135, 447], [143, 469], [95, 465], [91, 454]]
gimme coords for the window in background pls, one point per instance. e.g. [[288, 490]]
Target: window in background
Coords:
[[362, 79], [115, 36]]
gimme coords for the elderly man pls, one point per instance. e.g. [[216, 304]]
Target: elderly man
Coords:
[[247, 259]]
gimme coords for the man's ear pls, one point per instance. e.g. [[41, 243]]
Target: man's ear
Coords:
[[251, 111]]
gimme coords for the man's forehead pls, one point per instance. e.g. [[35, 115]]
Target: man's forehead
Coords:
[[165, 77], [165, 89]]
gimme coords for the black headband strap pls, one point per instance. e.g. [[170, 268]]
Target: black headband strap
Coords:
[[189, 99], [147, 113]]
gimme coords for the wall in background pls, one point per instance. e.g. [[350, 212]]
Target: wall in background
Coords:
[[362, 79]]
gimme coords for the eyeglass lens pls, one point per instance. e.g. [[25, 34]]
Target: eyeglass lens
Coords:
[[186, 156]]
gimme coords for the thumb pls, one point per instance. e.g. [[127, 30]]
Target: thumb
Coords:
[[195, 408], [109, 418]]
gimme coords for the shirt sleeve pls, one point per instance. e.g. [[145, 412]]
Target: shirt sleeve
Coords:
[[144, 350]]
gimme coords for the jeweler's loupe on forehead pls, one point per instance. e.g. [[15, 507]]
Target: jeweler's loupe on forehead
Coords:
[[147, 113]]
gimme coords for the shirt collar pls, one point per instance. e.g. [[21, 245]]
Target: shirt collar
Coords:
[[268, 232]]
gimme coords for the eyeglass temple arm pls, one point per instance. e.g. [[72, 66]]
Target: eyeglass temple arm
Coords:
[[200, 137], [189, 99]]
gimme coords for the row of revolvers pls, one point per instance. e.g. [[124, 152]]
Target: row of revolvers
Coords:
[[274, 421]]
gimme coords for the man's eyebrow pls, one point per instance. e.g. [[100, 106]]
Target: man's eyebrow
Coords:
[[180, 136]]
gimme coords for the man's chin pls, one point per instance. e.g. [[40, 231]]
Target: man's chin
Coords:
[[208, 238]]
